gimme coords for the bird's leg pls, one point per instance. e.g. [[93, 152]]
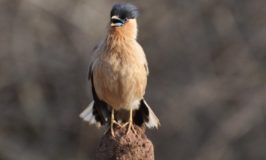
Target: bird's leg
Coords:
[[113, 121], [130, 122]]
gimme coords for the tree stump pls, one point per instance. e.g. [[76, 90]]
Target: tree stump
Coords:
[[131, 146]]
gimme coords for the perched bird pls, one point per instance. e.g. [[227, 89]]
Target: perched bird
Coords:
[[118, 75]]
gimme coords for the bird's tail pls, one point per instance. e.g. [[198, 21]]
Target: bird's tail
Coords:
[[87, 114], [145, 115], [95, 115]]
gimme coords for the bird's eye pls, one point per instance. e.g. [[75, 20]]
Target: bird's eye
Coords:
[[125, 19]]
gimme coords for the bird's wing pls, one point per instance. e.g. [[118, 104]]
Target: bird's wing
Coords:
[[146, 68], [97, 112], [100, 108], [95, 54], [142, 56]]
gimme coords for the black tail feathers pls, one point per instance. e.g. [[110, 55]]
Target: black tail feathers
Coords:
[[145, 115]]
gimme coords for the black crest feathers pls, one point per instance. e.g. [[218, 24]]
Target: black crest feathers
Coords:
[[125, 10]]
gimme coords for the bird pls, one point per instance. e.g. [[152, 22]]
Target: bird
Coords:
[[118, 73]]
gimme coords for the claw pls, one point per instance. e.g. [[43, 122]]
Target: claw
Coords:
[[130, 123], [114, 122]]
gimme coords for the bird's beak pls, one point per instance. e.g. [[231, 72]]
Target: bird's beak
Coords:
[[117, 22]]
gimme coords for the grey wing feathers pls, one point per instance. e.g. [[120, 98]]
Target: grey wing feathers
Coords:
[[95, 54], [97, 112], [146, 68]]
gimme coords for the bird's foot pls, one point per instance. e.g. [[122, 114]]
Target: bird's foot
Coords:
[[130, 126], [113, 122], [112, 127]]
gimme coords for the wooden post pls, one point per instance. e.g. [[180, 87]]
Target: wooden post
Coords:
[[133, 146]]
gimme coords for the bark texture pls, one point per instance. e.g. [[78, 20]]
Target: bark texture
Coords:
[[131, 146]]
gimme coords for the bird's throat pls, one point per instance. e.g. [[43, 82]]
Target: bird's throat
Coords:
[[127, 31]]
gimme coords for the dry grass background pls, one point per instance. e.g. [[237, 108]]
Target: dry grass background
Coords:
[[207, 82]]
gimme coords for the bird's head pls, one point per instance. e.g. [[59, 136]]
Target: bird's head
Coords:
[[123, 13], [123, 18]]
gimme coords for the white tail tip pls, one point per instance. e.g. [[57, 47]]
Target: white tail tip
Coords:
[[153, 120], [87, 114]]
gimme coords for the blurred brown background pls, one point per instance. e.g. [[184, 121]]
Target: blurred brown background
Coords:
[[207, 83]]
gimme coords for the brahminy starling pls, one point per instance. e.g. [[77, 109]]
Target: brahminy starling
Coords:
[[118, 74]]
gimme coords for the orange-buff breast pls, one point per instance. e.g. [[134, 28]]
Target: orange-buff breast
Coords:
[[120, 78]]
